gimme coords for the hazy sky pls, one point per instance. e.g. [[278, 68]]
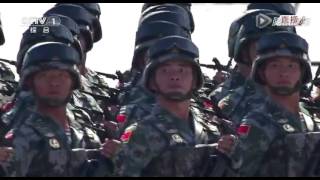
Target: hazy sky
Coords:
[[119, 24]]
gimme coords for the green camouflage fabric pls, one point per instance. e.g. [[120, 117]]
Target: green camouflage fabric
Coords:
[[242, 100], [89, 104], [236, 80], [274, 142], [132, 113], [93, 77], [161, 144], [79, 100], [94, 85], [6, 72], [44, 148], [137, 95], [23, 102], [8, 85]]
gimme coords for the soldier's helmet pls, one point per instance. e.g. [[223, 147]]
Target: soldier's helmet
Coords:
[[246, 29], [282, 44], [172, 48], [57, 33], [281, 8], [180, 18], [2, 39], [82, 17], [95, 10], [146, 6], [67, 22], [50, 55], [174, 8], [150, 32]]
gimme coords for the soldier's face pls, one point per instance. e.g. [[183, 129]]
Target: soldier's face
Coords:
[[174, 77], [54, 86], [282, 72]]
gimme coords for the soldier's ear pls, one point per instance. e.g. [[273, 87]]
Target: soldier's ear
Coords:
[[194, 79], [261, 76], [152, 84], [29, 83]]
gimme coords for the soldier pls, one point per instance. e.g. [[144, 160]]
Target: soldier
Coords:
[[278, 137], [247, 96], [152, 26], [51, 142], [58, 33], [164, 143], [94, 87], [5, 152], [135, 99], [243, 34], [7, 77]]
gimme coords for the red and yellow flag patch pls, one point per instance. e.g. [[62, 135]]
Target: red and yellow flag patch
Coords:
[[244, 129], [125, 137], [121, 118]]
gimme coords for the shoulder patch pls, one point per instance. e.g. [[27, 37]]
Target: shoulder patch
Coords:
[[125, 137]]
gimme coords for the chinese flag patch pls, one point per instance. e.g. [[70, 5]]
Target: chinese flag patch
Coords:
[[244, 129], [121, 118], [207, 104], [125, 137]]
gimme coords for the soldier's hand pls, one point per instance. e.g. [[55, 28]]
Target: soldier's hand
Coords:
[[5, 153], [110, 147], [220, 77], [226, 143], [110, 125]]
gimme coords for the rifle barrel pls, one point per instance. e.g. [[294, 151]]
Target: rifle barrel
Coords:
[[8, 61], [110, 76]]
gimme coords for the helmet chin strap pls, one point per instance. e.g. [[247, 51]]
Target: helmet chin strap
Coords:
[[174, 96], [286, 91], [53, 102]]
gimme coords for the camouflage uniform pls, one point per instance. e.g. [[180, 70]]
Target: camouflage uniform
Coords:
[[272, 140], [25, 101], [242, 100], [132, 113], [135, 93], [89, 104], [161, 144], [43, 148], [236, 80], [275, 142]]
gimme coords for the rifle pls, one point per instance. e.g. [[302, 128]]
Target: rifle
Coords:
[[110, 76], [219, 119], [108, 100], [217, 65], [219, 163], [316, 77], [8, 61]]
